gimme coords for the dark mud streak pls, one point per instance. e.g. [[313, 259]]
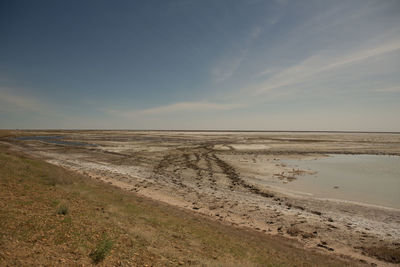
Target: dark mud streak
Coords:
[[160, 170], [231, 173], [190, 165], [210, 170], [183, 158]]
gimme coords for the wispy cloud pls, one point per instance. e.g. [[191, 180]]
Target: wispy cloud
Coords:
[[256, 32], [201, 106], [317, 64], [266, 72], [391, 89], [11, 101], [228, 65], [226, 68]]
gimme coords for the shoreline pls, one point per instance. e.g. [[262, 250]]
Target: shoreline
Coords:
[[294, 193]]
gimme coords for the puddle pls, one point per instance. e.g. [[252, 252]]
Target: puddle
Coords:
[[52, 140], [372, 179]]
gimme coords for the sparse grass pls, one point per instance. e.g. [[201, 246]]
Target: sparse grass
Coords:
[[55, 203], [102, 249], [63, 209], [142, 231], [383, 253]]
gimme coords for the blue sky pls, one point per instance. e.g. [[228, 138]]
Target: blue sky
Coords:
[[243, 65]]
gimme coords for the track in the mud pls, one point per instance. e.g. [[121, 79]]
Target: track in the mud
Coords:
[[170, 168]]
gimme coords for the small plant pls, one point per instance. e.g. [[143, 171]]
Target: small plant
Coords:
[[62, 209], [102, 249], [55, 203]]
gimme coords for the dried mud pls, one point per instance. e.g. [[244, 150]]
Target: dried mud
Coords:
[[221, 174]]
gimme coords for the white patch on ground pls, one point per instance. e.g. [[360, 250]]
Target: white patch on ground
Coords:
[[250, 146], [221, 147]]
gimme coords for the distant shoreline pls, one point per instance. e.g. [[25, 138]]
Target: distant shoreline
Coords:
[[214, 131]]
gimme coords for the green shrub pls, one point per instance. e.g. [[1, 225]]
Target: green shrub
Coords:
[[62, 209], [102, 249]]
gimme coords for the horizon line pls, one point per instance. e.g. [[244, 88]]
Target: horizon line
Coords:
[[205, 130]]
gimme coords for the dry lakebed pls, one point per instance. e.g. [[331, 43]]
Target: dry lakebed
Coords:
[[334, 192]]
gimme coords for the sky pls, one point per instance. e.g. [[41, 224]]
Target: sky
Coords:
[[200, 65]]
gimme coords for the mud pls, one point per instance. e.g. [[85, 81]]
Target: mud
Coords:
[[221, 175]]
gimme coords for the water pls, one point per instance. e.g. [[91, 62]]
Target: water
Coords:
[[52, 140], [371, 179]]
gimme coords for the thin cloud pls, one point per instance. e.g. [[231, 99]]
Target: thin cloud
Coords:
[[317, 64], [12, 101], [257, 31], [266, 72], [225, 70], [177, 107], [227, 67], [391, 89]]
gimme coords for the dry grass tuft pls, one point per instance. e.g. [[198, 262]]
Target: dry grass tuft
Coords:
[[102, 249], [63, 209]]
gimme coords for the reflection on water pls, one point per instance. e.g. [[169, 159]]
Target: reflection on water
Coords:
[[373, 179], [52, 140]]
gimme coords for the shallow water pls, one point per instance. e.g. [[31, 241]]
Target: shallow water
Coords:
[[52, 140], [372, 179]]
